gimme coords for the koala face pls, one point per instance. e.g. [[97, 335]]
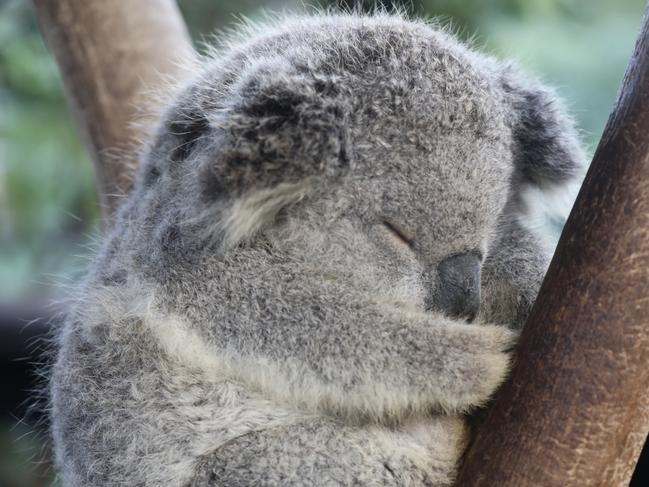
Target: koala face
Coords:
[[441, 208], [442, 191], [389, 159], [425, 214], [429, 176]]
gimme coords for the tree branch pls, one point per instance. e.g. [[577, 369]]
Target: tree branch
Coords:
[[112, 55], [575, 410]]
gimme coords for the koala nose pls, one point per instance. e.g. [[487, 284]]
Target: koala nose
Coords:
[[458, 291]]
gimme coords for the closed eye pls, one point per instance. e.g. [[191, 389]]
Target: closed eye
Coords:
[[399, 232]]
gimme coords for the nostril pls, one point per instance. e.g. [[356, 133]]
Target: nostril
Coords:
[[458, 288]]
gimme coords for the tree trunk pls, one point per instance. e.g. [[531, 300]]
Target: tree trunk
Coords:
[[113, 55], [575, 411]]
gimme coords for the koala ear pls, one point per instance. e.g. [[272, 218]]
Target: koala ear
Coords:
[[546, 145], [283, 128], [284, 135], [548, 156], [181, 130]]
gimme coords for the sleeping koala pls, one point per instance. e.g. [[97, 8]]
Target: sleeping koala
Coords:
[[319, 268]]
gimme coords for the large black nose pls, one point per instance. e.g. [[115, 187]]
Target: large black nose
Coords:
[[457, 292]]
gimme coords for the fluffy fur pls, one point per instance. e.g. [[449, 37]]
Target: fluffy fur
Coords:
[[263, 312]]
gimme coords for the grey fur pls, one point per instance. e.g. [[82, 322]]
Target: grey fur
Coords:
[[258, 314]]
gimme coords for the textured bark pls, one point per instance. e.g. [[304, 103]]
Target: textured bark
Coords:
[[575, 411], [112, 55]]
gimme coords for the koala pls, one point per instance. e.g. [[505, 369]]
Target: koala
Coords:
[[321, 268]]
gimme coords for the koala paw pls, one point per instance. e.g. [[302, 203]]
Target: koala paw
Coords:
[[477, 362]]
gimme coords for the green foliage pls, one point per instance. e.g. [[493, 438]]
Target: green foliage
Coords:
[[47, 194], [204, 17]]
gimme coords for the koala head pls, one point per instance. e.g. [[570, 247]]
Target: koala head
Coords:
[[377, 144]]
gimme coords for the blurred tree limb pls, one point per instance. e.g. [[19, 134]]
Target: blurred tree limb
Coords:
[[112, 55], [575, 410]]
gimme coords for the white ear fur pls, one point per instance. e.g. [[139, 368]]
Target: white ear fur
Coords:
[[257, 208], [544, 210]]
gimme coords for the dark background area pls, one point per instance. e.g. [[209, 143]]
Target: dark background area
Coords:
[[48, 211]]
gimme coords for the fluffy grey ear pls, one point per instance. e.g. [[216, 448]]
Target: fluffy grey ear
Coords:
[[272, 125], [284, 136], [547, 147], [548, 155], [283, 128], [183, 128], [247, 145], [244, 146]]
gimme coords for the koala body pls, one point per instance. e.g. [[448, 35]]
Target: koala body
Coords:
[[318, 269]]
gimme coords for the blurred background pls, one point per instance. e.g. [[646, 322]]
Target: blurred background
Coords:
[[48, 210]]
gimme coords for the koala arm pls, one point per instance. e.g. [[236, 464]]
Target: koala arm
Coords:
[[327, 351], [512, 274], [325, 452]]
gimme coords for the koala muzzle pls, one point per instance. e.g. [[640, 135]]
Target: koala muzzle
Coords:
[[457, 293]]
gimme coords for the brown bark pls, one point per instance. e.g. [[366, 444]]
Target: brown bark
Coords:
[[575, 411], [112, 55]]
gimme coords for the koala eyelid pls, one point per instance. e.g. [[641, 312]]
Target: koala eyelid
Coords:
[[399, 233], [477, 252]]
